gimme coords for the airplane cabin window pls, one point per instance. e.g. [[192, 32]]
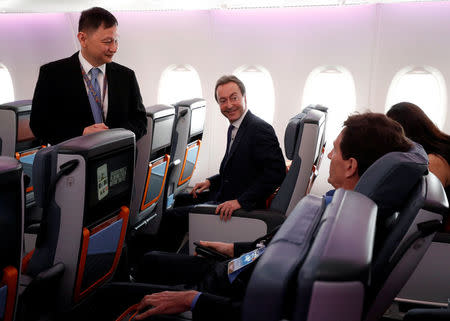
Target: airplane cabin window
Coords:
[[6, 86], [259, 90], [333, 87], [423, 86], [179, 82]]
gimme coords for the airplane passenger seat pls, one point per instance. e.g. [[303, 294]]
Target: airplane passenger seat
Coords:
[[304, 142], [17, 140], [411, 205], [324, 263], [317, 266], [11, 234], [332, 245], [186, 139], [152, 163], [84, 186]]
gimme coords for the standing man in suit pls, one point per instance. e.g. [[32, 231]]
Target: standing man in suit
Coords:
[[251, 170], [87, 92]]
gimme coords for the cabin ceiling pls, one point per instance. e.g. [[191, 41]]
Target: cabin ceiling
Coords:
[[22, 6]]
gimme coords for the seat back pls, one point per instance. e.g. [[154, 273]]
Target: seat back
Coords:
[[317, 265], [84, 186], [400, 185], [17, 139], [186, 140], [408, 239], [152, 163], [15, 133], [11, 234], [304, 143]]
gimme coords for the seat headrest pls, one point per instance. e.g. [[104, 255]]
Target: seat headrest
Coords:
[[191, 103], [390, 179], [42, 174], [316, 107], [294, 129], [291, 135], [158, 111]]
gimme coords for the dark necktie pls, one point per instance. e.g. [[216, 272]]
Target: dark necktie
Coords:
[[230, 130], [97, 112]]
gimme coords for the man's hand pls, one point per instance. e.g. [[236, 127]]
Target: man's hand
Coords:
[[227, 208], [167, 302], [95, 128], [224, 248], [200, 187]]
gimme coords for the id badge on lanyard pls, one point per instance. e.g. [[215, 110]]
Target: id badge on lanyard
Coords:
[[237, 265]]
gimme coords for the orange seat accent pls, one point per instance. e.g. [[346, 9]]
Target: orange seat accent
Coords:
[[127, 311], [10, 278], [26, 259], [30, 152], [149, 173], [124, 214], [180, 180]]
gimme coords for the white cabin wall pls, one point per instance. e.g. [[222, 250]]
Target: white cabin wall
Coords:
[[152, 41], [372, 41], [30, 40], [411, 34], [290, 43]]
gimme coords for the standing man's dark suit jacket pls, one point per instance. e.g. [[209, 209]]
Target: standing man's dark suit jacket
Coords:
[[61, 109], [254, 168]]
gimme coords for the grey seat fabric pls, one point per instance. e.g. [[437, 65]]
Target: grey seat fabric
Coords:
[[429, 283], [11, 234], [15, 132], [317, 265], [151, 168], [442, 314], [17, 140], [411, 204], [188, 128], [407, 240], [304, 144], [409, 220], [84, 186]]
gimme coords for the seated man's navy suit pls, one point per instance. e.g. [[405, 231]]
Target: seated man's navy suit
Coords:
[[250, 172], [253, 168], [61, 108]]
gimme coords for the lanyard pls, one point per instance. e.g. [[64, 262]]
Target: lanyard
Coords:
[[100, 102]]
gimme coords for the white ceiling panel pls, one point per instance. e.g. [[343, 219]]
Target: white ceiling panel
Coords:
[[21, 6]]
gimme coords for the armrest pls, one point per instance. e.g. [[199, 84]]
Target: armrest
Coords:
[[427, 314], [244, 226]]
